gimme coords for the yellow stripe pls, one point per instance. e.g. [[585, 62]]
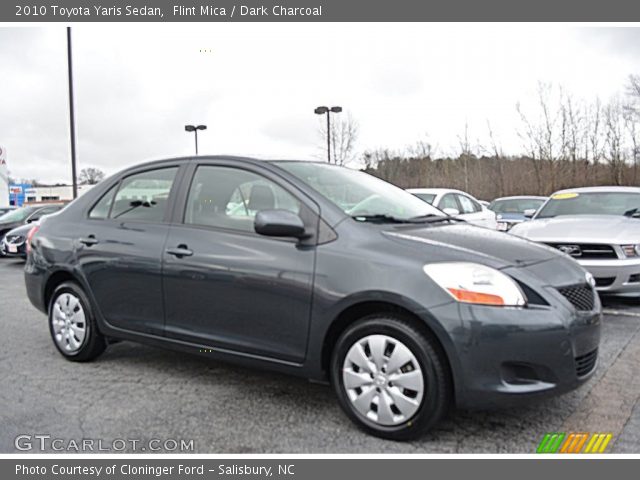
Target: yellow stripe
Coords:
[[605, 443], [566, 443], [583, 439], [596, 445], [590, 444]]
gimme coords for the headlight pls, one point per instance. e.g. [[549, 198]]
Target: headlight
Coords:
[[631, 250], [475, 283]]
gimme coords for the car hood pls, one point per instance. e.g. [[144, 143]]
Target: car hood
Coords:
[[9, 225], [510, 216], [609, 229], [463, 242]]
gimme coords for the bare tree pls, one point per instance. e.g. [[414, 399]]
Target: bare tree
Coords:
[[613, 120], [90, 176], [344, 134], [497, 152]]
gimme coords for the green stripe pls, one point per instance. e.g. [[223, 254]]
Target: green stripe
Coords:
[[556, 446], [543, 443]]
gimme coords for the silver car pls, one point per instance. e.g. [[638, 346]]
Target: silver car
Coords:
[[597, 226]]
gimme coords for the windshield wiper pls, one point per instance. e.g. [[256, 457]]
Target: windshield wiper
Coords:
[[433, 218], [632, 213], [378, 218], [382, 218]]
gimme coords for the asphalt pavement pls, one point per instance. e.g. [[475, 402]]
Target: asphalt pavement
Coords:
[[138, 398]]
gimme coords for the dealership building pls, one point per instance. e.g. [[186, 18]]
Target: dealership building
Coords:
[[24, 193]]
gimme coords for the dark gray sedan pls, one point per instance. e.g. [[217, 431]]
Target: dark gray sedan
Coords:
[[319, 271]]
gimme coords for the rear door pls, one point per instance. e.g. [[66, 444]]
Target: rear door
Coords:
[[119, 249], [228, 287]]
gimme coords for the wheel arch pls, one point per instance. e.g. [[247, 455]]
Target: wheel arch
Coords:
[[54, 280], [424, 322]]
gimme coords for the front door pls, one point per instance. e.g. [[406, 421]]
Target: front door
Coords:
[[228, 287]]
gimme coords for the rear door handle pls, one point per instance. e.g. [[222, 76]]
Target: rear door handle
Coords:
[[90, 240], [180, 251]]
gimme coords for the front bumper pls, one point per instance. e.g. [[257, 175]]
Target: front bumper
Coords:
[[616, 275], [506, 355], [10, 249]]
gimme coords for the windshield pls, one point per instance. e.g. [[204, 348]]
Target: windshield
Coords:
[[515, 205], [425, 197], [359, 194], [18, 215], [593, 203]]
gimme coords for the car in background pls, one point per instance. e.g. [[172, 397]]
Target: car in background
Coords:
[[4, 210], [14, 243], [597, 226], [25, 215], [458, 204], [513, 210]]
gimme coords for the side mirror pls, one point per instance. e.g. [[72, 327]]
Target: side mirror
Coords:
[[279, 223], [452, 212], [529, 212]]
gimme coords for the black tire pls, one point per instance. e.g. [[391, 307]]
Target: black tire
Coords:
[[94, 343], [437, 383]]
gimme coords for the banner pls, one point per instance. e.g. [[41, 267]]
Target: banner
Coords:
[[4, 178]]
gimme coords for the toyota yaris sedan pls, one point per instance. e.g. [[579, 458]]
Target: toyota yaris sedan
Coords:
[[319, 271]]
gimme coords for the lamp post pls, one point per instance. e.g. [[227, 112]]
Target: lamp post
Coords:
[[72, 118], [194, 129], [328, 111]]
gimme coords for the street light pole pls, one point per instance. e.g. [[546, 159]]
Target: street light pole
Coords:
[[194, 129], [72, 119], [328, 111]]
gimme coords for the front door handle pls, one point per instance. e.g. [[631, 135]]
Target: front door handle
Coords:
[[88, 241], [180, 251]]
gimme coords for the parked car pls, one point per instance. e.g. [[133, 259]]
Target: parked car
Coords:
[[14, 243], [319, 271], [513, 210], [458, 204], [597, 226], [24, 215]]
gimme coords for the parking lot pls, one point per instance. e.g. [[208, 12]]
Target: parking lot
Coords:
[[139, 392]]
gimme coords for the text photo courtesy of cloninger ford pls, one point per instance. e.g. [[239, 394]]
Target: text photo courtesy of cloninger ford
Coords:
[[279, 238]]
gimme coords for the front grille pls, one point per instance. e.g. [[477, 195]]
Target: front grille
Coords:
[[604, 281], [586, 363], [580, 296], [583, 250], [17, 239]]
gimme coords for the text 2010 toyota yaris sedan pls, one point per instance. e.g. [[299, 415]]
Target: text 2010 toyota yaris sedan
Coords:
[[319, 271]]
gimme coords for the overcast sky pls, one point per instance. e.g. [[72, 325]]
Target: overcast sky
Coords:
[[256, 85]]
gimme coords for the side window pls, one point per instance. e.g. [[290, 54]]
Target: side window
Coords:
[[102, 208], [230, 198], [144, 196], [449, 201], [467, 204]]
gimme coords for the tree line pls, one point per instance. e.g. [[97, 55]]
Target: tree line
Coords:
[[565, 143]]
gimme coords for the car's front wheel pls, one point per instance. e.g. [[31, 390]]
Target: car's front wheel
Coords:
[[72, 324], [390, 377]]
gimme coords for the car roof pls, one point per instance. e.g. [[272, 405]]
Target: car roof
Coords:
[[599, 189], [517, 197]]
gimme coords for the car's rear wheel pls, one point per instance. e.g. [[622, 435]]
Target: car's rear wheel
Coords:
[[390, 378], [72, 324]]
